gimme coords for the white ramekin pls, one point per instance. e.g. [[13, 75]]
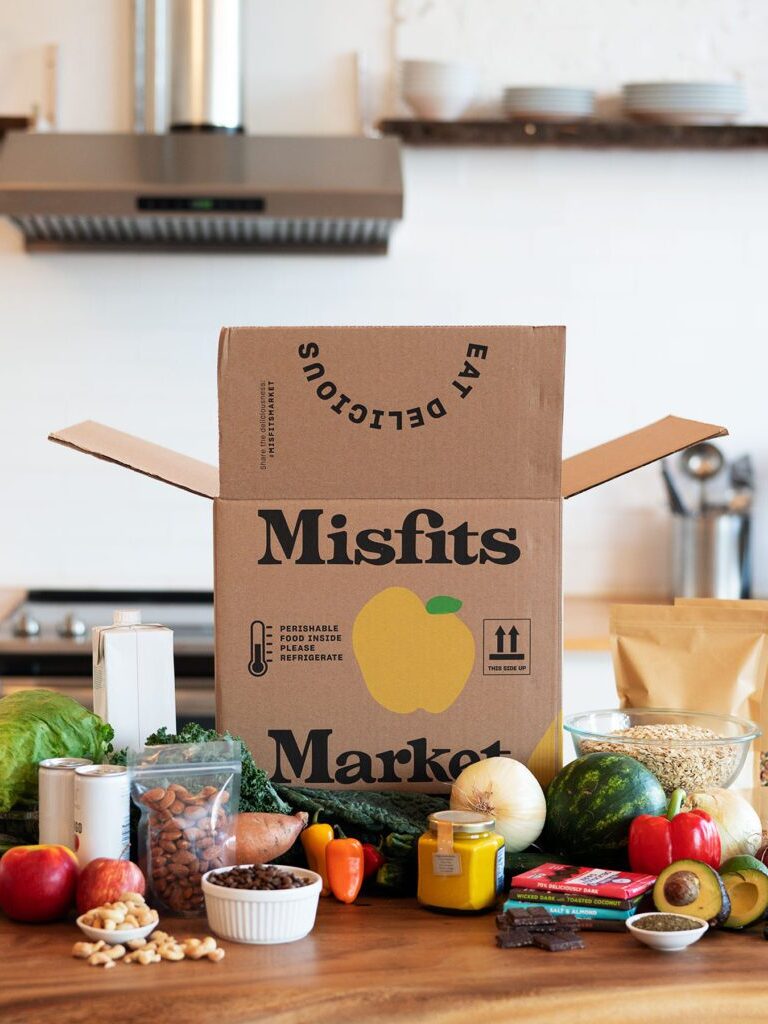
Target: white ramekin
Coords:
[[262, 915]]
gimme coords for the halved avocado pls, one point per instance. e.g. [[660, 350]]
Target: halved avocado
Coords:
[[746, 882], [693, 888], [743, 862]]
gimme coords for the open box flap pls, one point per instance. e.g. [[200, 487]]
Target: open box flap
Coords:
[[141, 456], [615, 458]]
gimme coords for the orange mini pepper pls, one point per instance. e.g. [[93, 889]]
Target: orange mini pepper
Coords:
[[345, 864], [315, 840]]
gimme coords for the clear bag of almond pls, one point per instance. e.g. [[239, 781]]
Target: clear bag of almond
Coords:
[[188, 796]]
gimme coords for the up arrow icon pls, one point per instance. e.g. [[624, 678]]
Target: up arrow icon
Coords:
[[507, 643], [513, 635], [500, 634]]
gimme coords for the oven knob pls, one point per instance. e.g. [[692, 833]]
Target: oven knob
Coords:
[[71, 626], [26, 625]]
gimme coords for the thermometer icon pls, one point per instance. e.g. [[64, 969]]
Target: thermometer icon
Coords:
[[260, 648]]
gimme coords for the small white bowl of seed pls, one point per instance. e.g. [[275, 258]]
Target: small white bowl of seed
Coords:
[[668, 933]]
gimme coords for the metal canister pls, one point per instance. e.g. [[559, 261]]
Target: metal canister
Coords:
[[102, 813], [56, 781]]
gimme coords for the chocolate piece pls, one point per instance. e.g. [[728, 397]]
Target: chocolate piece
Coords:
[[514, 938], [538, 920], [538, 912], [519, 917], [558, 942]]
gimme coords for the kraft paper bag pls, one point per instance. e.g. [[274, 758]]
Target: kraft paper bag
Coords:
[[692, 657], [758, 713]]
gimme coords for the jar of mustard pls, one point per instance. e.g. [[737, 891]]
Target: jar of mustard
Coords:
[[461, 862]]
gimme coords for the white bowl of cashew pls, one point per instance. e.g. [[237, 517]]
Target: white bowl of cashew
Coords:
[[109, 924], [113, 938]]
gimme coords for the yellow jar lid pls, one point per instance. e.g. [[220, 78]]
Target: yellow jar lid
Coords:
[[466, 822]]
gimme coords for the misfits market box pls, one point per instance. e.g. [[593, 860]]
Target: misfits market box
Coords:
[[387, 517]]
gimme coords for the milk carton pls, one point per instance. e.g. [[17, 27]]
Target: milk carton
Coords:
[[133, 678]]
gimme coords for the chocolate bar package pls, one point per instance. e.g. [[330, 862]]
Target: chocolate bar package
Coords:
[[620, 885]]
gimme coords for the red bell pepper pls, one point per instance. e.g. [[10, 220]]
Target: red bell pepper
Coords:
[[655, 842], [373, 859]]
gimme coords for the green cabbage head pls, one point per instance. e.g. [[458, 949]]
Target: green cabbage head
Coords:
[[35, 724]]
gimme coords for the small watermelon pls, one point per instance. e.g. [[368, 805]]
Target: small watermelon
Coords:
[[591, 803]]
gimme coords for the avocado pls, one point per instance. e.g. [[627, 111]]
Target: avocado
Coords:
[[746, 882], [742, 862], [694, 888]]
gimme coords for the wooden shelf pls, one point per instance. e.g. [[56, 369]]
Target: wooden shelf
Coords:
[[585, 135], [9, 123]]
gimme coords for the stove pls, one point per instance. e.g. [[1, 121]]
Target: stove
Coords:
[[45, 641]]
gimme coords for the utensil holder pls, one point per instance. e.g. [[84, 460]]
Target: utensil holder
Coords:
[[712, 556]]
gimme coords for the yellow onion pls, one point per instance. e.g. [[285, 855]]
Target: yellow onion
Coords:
[[737, 821], [505, 790]]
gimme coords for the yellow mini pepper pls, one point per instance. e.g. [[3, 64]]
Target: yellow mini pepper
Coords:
[[315, 839]]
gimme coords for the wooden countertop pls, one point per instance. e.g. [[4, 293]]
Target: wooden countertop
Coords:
[[382, 961]]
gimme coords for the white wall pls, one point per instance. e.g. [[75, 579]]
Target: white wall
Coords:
[[655, 261]]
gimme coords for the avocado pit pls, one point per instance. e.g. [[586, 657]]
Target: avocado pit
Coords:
[[682, 888]]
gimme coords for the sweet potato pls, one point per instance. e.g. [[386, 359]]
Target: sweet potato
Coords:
[[259, 838]]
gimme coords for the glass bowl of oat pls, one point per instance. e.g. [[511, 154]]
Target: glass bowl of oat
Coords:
[[687, 750]]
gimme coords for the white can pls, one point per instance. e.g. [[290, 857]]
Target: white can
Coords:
[[102, 813], [56, 782]]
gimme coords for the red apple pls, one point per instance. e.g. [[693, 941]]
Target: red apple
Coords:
[[37, 883], [103, 879]]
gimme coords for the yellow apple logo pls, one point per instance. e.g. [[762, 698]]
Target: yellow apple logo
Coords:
[[412, 656]]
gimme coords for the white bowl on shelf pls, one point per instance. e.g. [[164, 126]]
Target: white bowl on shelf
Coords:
[[438, 90], [666, 942], [262, 916]]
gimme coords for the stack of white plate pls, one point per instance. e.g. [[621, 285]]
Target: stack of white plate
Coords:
[[684, 102], [548, 102], [436, 89]]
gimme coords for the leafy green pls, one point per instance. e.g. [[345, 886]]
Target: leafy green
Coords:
[[393, 811], [36, 724]]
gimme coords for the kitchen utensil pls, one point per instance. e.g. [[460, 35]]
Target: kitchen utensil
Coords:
[[732, 743], [743, 473], [262, 916], [676, 503], [702, 462], [667, 942], [712, 554], [742, 485]]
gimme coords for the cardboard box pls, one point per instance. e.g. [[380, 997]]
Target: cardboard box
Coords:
[[387, 544]]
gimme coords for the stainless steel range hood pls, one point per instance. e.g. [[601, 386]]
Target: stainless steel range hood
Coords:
[[206, 185], [201, 191]]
